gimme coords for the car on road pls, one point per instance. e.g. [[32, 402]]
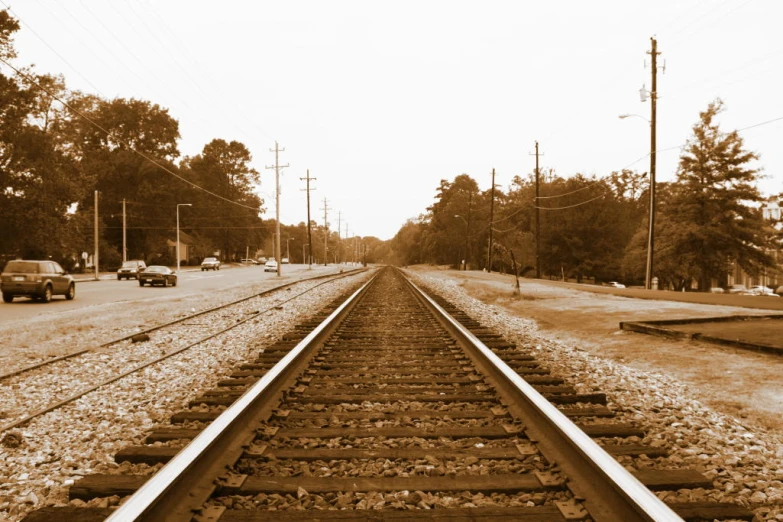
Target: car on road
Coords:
[[130, 269], [37, 279], [284, 261], [248, 261], [270, 266], [157, 275], [210, 263], [615, 284], [762, 290], [738, 290]]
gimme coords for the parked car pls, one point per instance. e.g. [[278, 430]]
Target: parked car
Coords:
[[262, 260], [738, 290], [717, 290], [36, 279], [270, 266], [615, 284], [284, 261], [248, 261], [157, 275], [779, 290], [210, 263], [130, 269], [762, 290]]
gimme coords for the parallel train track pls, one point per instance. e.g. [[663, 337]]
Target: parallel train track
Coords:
[[61, 372], [390, 410]]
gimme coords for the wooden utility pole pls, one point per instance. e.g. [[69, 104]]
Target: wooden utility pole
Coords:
[[309, 232], [538, 222], [95, 260], [339, 239], [277, 168], [124, 242], [491, 219], [326, 233], [653, 102]]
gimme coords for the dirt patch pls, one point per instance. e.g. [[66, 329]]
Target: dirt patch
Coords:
[[736, 382]]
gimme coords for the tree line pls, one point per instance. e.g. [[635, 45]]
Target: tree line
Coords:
[[57, 147], [708, 222]]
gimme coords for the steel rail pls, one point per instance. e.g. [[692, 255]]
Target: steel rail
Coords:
[[59, 404], [169, 493], [71, 355], [593, 473]]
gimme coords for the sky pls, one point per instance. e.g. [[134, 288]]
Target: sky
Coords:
[[383, 100]]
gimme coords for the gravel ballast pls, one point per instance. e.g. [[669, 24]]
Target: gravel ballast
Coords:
[[744, 462], [40, 459]]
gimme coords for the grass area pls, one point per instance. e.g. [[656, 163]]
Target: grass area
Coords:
[[765, 331]]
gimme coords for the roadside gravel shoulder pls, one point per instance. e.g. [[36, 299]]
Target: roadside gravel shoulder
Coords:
[[45, 456]]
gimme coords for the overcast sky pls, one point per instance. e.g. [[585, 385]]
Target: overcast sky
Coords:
[[382, 100]]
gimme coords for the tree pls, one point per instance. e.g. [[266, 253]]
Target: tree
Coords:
[[456, 206], [37, 177], [709, 223], [125, 150], [223, 168]]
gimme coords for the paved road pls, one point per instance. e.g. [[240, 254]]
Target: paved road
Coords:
[[108, 289]]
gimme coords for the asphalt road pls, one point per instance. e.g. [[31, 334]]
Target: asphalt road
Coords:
[[92, 293]]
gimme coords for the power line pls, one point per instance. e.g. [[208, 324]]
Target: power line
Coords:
[[130, 148], [61, 57], [574, 205]]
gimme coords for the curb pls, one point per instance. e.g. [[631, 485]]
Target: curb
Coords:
[[659, 328]]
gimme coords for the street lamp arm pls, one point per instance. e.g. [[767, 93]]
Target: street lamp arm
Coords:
[[623, 116]]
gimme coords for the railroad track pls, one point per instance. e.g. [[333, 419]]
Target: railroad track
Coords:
[[389, 411], [48, 385]]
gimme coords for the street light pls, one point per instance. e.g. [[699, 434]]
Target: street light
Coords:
[[650, 232], [179, 205], [287, 250], [623, 116], [467, 233]]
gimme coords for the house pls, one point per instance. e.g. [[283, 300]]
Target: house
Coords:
[[186, 247], [771, 211]]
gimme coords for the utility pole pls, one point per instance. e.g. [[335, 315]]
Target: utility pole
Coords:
[[124, 243], [277, 168], [339, 239], [309, 232], [653, 102], [491, 219], [346, 239], [95, 259], [468, 249], [326, 233], [538, 222]]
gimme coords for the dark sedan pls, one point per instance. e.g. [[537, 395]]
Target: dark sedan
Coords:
[[157, 275]]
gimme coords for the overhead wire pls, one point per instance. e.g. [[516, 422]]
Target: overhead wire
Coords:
[[673, 39], [32, 81], [117, 60], [61, 57], [185, 53]]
